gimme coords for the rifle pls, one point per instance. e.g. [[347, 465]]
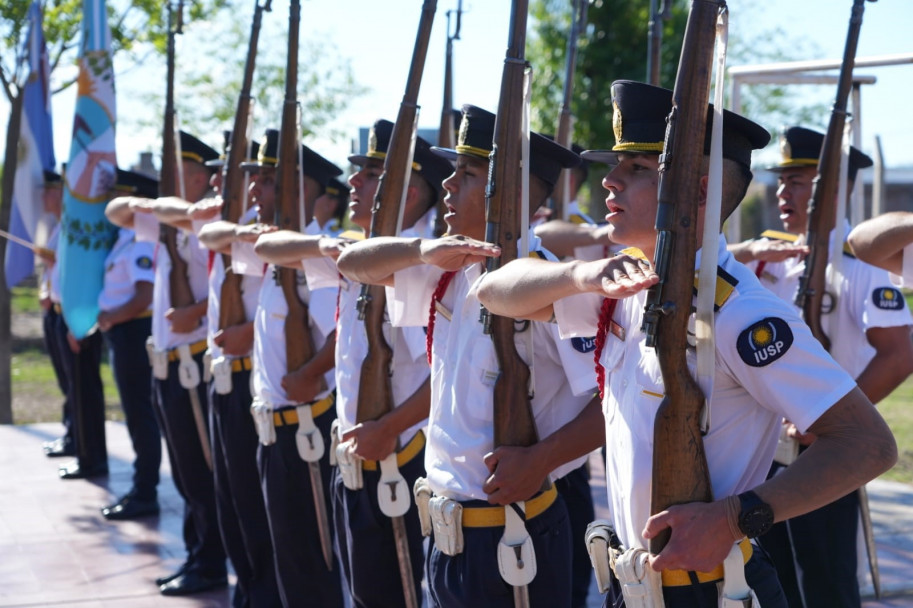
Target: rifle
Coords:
[[299, 344], [231, 305], [822, 207], [170, 182], [375, 393], [445, 135], [655, 39], [514, 424], [680, 472], [562, 192], [822, 219], [178, 281]]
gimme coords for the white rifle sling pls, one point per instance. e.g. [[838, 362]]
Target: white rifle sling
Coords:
[[349, 466], [447, 523], [308, 438], [158, 359], [334, 440], [516, 554], [392, 490], [598, 535], [207, 369], [220, 368], [188, 370], [422, 492], [736, 592], [263, 422], [641, 585]]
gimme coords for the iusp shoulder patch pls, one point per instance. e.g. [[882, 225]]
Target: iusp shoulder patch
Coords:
[[887, 298], [764, 342], [584, 345], [144, 262]]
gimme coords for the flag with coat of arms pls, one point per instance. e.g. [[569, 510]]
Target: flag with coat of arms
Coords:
[[86, 236]]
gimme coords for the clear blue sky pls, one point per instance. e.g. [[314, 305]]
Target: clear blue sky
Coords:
[[378, 37]]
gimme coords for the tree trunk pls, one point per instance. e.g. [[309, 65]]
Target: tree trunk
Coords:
[[9, 177]]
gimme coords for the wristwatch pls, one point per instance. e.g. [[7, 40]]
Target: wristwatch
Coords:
[[756, 517]]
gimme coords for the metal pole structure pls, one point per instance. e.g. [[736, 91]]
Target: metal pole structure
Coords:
[[878, 190]]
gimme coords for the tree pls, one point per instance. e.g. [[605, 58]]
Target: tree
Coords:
[[142, 21], [614, 47], [208, 91]]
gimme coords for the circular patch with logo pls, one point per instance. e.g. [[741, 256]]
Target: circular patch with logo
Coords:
[[144, 262], [764, 342], [584, 345], [887, 298]]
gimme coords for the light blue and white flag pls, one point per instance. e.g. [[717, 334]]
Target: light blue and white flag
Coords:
[[35, 153], [86, 235]]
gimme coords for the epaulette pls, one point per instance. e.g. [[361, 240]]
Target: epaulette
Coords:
[[634, 252], [352, 235], [578, 219], [725, 285], [779, 235], [848, 251], [538, 254]]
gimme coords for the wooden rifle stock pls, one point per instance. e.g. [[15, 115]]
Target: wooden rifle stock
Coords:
[[375, 395], [231, 304], [822, 207], [563, 135], [299, 345], [446, 138], [178, 281], [514, 424], [680, 471]]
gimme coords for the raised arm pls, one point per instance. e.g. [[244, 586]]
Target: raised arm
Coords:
[[374, 261], [766, 250], [527, 288], [218, 236], [288, 247], [562, 237], [880, 241], [174, 211], [120, 212]]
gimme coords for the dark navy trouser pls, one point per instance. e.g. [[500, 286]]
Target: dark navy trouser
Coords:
[[239, 501], [472, 580], [50, 327], [823, 543], [133, 376], [85, 396], [303, 577], [365, 542], [192, 476]]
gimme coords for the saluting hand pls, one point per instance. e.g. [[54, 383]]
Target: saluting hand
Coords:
[[250, 233], [331, 247], [206, 209], [455, 252], [617, 277]]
